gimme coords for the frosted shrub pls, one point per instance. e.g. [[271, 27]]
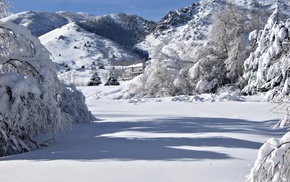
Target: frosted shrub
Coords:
[[32, 99], [73, 104], [164, 78], [208, 74]]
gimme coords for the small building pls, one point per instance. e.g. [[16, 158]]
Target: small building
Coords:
[[134, 70]]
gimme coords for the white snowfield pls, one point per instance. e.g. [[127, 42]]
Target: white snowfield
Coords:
[[151, 140]]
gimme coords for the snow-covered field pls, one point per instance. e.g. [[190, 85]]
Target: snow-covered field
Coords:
[[151, 140]]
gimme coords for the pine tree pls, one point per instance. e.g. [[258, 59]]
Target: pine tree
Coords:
[[112, 80], [268, 70], [266, 67], [95, 80]]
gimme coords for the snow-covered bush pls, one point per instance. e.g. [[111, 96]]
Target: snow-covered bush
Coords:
[[73, 103], [164, 77], [32, 99], [272, 163], [208, 74], [4, 8]]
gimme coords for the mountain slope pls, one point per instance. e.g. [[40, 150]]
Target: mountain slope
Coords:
[[40, 23], [189, 26], [127, 30], [79, 52], [133, 28]]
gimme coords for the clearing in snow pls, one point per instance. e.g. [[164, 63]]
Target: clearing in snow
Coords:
[[152, 140]]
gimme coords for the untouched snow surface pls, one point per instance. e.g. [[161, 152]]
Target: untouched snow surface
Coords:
[[151, 140]]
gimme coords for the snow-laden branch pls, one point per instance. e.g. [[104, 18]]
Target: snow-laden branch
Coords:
[[33, 101]]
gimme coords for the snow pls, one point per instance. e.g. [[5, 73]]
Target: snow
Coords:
[[80, 50], [153, 140]]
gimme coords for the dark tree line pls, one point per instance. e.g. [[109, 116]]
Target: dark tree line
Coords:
[[126, 30]]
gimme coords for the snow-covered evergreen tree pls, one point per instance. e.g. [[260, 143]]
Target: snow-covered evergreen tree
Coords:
[[33, 101], [112, 80], [95, 80], [267, 69]]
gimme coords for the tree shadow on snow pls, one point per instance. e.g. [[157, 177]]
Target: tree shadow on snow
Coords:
[[97, 141]]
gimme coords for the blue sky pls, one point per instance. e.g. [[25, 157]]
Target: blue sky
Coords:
[[148, 9]]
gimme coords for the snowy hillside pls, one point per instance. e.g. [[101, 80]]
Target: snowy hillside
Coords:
[[81, 43], [133, 28], [79, 53], [40, 23]]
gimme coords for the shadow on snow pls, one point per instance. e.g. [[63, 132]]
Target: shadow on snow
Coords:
[[89, 141]]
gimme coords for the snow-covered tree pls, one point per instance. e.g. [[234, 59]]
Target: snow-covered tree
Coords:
[[95, 80], [112, 80], [160, 76], [267, 69], [33, 101], [272, 163], [220, 61], [165, 75], [208, 74], [4, 9]]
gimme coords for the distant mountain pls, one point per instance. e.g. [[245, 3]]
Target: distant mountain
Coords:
[[133, 28], [40, 23], [199, 13], [188, 27], [79, 52], [127, 30]]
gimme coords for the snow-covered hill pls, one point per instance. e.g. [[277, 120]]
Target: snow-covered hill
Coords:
[[40, 23], [79, 53], [133, 28], [81, 43]]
